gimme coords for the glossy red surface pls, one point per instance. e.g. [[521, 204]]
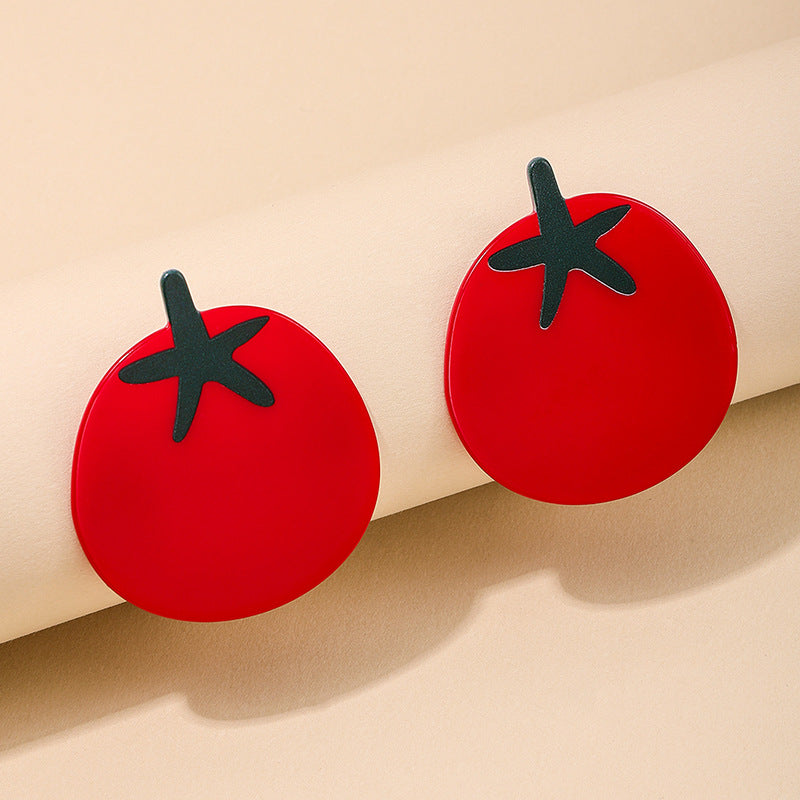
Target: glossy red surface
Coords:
[[254, 507], [619, 392]]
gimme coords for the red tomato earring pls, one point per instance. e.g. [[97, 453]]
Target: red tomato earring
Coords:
[[590, 352], [224, 466]]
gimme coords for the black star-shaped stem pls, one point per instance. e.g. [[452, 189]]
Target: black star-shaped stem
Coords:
[[197, 357], [563, 246]]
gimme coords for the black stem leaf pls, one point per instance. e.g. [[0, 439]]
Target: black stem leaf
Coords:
[[561, 245], [197, 358]]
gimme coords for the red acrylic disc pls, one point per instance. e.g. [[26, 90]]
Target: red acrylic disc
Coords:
[[249, 494], [608, 379]]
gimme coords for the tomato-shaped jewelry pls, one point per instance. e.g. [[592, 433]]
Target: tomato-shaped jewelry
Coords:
[[224, 466], [591, 352]]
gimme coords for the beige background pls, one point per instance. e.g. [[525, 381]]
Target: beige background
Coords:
[[122, 120], [479, 646]]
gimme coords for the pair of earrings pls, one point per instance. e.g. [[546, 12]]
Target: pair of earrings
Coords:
[[227, 463]]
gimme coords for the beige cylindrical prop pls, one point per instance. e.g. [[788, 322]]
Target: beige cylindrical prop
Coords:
[[371, 266]]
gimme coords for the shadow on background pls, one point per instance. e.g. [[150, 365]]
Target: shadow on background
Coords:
[[412, 582]]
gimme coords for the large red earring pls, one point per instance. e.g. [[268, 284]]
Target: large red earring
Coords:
[[590, 352], [224, 466]]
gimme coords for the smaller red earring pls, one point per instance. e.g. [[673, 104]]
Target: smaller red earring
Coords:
[[590, 352], [224, 466]]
